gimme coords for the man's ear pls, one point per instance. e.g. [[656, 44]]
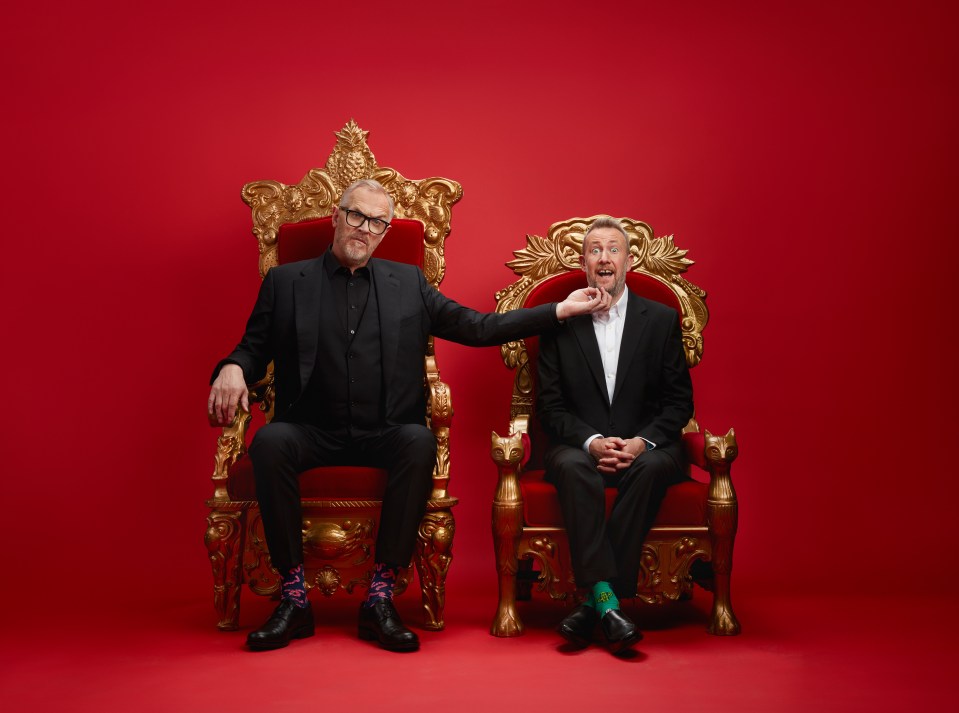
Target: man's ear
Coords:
[[582, 262]]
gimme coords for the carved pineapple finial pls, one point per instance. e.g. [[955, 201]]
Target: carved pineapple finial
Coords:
[[351, 159]]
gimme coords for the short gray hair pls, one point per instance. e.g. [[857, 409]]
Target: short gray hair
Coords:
[[370, 185], [606, 221]]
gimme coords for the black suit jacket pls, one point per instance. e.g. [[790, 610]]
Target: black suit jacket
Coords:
[[285, 327], [653, 396]]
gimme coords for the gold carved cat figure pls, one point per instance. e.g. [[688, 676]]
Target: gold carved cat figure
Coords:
[[506, 449], [721, 449]]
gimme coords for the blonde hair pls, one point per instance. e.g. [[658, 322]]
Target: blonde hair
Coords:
[[605, 221]]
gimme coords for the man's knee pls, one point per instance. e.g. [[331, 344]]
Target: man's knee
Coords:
[[658, 467], [567, 466], [274, 441], [418, 441]]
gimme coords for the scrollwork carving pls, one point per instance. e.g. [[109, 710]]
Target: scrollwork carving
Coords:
[[224, 542], [335, 540], [230, 445], [434, 554], [327, 579], [556, 576], [427, 200]]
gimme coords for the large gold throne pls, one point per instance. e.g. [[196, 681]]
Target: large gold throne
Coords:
[[341, 505], [692, 538]]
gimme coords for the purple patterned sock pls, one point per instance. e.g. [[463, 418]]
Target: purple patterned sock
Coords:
[[294, 587], [381, 586]]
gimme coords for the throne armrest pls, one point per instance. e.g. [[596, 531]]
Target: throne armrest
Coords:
[[714, 454], [231, 444], [439, 417], [510, 454]]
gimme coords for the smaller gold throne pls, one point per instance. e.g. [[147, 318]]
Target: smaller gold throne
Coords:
[[693, 535]]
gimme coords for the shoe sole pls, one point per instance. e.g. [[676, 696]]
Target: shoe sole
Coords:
[[370, 635], [304, 633], [627, 643]]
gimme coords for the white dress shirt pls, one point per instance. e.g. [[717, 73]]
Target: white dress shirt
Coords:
[[608, 327]]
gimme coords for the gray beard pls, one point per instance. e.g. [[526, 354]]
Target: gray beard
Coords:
[[357, 256]]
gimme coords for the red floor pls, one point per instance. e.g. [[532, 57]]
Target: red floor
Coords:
[[795, 654]]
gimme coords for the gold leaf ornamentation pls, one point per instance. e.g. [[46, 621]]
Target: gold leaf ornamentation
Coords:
[[428, 200]]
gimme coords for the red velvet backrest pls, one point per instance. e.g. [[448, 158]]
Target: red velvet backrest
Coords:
[[556, 289], [309, 238]]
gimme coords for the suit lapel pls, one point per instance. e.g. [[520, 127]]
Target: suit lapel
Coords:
[[307, 296], [582, 328], [633, 329], [388, 304]]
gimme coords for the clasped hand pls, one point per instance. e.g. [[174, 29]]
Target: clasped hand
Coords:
[[614, 453]]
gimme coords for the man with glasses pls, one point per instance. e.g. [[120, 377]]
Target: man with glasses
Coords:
[[348, 336]]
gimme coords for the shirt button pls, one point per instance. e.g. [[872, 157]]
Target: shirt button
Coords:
[[350, 283], [352, 355], [352, 380], [352, 331]]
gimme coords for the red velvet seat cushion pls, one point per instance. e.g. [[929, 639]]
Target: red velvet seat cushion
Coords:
[[342, 482], [403, 242], [684, 504]]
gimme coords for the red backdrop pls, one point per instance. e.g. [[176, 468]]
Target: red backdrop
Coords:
[[804, 155]]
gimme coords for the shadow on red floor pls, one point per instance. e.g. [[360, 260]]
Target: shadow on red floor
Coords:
[[795, 654]]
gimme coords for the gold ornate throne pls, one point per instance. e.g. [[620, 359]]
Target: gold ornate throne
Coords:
[[341, 505], [692, 538]]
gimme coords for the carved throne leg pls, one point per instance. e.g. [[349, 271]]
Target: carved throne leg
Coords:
[[723, 520], [434, 553], [224, 542], [507, 529], [507, 453]]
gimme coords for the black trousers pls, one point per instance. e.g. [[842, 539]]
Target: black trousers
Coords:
[[281, 451], [610, 550]]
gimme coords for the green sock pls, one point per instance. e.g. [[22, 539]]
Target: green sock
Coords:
[[602, 599]]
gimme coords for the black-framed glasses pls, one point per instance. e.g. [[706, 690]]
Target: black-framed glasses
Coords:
[[377, 226]]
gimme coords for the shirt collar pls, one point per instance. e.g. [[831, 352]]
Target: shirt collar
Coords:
[[333, 266], [616, 311]]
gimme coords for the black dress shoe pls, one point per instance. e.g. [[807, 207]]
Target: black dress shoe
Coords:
[[381, 623], [577, 628], [287, 621], [620, 632]]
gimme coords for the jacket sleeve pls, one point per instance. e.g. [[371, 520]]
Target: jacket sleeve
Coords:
[[451, 320], [674, 391], [253, 353], [561, 424]]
